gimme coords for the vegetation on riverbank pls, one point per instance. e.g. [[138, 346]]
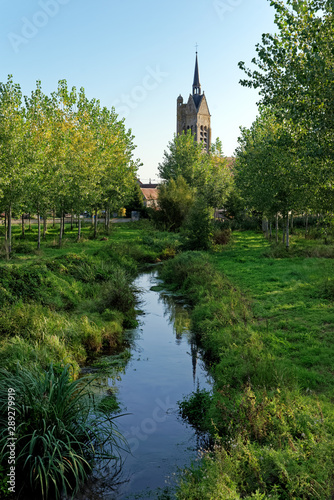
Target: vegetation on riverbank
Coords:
[[265, 325], [61, 307]]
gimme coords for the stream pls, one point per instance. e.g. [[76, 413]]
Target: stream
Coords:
[[165, 366]]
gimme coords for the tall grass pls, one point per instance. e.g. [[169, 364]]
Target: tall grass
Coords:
[[60, 430], [274, 434]]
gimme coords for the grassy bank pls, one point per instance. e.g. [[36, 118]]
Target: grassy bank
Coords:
[[266, 326], [59, 308], [63, 305]]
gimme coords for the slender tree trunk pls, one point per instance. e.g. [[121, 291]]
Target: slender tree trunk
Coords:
[[61, 229], [72, 219], [284, 229], [270, 231], [95, 224], [105, 219], [276, 228], [23, 234], [39, 231], [45, 226], [63, 223], [54, 218], [287, 231], [79, 227], [291, 223], [306, 225], [9, 230], [29, 222]]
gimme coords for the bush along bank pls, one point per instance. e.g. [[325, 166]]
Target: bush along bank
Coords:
[[57, 313], [272, 438]]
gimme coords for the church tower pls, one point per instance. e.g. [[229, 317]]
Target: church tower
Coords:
[[195, 115]]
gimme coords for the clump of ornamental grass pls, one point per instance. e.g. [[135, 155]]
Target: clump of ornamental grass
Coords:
[[60, 427]]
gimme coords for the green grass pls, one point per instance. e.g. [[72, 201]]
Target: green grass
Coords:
[[266, 328], [291, 304], [135, 240]]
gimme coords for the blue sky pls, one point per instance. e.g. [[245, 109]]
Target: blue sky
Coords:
[[139, 56]]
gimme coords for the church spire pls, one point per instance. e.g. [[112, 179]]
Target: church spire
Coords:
[[196, 84]]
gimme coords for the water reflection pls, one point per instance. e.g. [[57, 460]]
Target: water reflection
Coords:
[[164, 368], [178, 315]]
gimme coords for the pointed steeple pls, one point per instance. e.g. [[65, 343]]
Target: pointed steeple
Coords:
[[196, 84]]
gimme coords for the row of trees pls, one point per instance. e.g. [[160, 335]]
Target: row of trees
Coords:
[[61, 153], [285, 159]]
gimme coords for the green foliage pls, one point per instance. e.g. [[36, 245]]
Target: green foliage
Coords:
[[135, 202], [198, 226], [117, 293], [62, 153], [60, 429], [294, 76], [221, 236], [327, 289], [194, 409], [175, 200], [182, 160], [209, 174]]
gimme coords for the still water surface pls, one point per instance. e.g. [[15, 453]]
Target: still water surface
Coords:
[[165, 366]]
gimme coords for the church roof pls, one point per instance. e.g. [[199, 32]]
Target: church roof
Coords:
[[197, 100], [196, 74]]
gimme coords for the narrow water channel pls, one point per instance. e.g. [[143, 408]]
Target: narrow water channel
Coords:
[[165, 366]]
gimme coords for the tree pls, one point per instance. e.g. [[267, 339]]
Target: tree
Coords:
[[208, 173], [13, 170], [270, 175], [184, 158], [296, 82], [37, 189]]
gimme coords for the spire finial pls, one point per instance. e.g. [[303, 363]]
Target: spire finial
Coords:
[[196, 47]]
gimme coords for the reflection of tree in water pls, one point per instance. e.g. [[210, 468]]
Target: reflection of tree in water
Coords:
[[179, 318]]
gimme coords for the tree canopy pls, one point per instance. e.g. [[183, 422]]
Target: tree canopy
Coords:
[[62, 152]]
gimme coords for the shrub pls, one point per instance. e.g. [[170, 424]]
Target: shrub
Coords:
[[117, 293], [221, 236]]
